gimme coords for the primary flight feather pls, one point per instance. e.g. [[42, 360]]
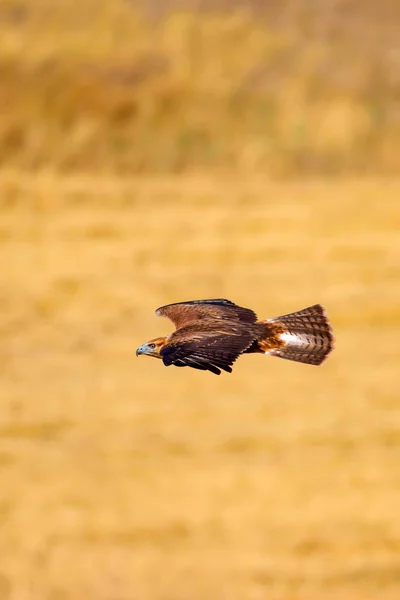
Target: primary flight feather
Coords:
[[211, 334]]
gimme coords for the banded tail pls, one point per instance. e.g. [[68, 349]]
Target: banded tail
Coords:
[[304, 336]]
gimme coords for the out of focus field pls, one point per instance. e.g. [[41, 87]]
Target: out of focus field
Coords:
[[121, 479], [300, 89]]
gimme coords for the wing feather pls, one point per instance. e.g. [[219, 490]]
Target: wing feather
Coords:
[[193, 311], [212, 351]]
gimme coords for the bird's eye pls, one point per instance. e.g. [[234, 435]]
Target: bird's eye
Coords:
[[152, 346]]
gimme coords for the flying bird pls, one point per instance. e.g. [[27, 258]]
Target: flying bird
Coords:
[[211, 334]]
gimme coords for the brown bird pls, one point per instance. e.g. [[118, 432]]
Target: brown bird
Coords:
[[211, 334]]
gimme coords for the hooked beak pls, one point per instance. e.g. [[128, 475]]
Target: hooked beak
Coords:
[[141, 350]]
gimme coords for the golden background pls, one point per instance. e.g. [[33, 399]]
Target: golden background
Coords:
[[161, 153]]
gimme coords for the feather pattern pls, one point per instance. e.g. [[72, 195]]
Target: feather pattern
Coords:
[[307, 336], [196, 311], [211, 349]]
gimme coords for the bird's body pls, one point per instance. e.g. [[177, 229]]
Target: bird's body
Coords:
[[211, 334]]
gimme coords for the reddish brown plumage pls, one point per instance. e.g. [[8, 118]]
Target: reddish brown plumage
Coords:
[[268, 339], [196, 311], [212, 334]]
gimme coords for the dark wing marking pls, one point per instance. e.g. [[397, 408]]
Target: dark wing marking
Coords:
[[211, 352], [185, 313]]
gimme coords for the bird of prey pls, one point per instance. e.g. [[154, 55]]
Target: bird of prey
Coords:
[[211, 334]]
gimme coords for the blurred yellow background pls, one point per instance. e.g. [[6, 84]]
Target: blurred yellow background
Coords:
[[165, 152]]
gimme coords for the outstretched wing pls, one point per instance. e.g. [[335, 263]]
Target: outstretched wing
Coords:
[[187, 313], [207, 351]]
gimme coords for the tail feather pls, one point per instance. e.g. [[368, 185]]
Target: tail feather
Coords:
[[305, 336]]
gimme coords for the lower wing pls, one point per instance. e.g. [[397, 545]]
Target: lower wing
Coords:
[[209, 353]]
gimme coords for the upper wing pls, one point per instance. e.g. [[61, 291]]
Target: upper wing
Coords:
[[207, 351], [185, 313]]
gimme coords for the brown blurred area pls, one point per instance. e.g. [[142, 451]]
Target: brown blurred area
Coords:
[[152, 152], [294, 88]]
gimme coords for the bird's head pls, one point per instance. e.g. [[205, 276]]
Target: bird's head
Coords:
[[152, 347]]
